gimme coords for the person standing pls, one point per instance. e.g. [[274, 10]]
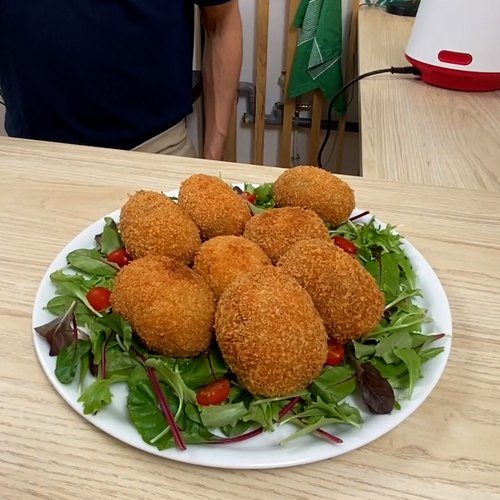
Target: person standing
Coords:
[[117, 73]]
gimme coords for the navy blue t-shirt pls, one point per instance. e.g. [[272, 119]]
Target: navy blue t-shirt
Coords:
[[110, 73]]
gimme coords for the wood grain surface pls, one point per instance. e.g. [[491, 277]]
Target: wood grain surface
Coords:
[[414, 132], [448, 449]]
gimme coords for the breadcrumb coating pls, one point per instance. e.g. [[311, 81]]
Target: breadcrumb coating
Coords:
[[277, 229], [223, 258], [270, 334], [344, 293], [317, 189], [152, 224], [169, 306], [215, 208]]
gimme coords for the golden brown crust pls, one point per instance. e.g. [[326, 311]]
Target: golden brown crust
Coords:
[[169, 306], [215, 208], [344, 293], [270, 334], [223, 258], [152, 224], [317, 189], [277, 229]]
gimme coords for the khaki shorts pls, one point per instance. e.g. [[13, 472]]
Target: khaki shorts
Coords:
[[173, 141]]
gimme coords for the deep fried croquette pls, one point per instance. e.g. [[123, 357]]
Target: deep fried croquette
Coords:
[[152, 224], [344, 293], [223, 258], [270, 334], [317, 189], [215, 208], [277, 229], [169, 306]]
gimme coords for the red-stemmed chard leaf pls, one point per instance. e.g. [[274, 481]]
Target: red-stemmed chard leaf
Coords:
[[377, 393], [60, 332], [286, 409], [162, 401], [176, 433], [243, 437]]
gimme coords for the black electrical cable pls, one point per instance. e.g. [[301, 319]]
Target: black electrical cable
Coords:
[[409, 70]]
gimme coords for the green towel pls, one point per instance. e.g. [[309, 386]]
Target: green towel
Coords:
[[318, 57]]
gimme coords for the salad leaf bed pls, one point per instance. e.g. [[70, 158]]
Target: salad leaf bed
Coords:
[[96, 350]]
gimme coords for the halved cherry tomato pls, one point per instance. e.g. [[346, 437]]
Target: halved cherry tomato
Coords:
[[120, 257], [249, 196], [214, 393], [335, 354], [98, 298], [346, 245]]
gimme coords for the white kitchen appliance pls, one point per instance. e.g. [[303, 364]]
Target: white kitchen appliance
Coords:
[[456, 44]]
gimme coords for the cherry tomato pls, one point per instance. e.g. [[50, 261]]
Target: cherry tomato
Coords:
[[346, 245], [249, 196], [214, 393], [120, 257], [98, 298], [335, 354]]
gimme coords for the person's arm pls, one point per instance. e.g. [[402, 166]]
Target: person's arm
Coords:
[[221, 72]]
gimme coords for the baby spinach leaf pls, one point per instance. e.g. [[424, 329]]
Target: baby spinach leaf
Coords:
[[146, 417], [69, 359], [238, 429], [216, 416], [362, 350], [121, 327], [389, 371], [110, 239], [386, 346], [334, 384], [203, 369], [84, 370], [77, 291], [193, 429], [98, 338], [172, 377], [59, 304], [412, 361], [119, 362], [138, 374], [373, 267], [90, 262]]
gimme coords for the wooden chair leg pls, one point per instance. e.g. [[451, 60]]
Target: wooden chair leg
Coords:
[[289, 104], [261, 80], [349, 75], [315, 131]]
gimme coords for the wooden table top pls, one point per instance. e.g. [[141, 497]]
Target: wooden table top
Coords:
[[414, 132], [448, 449]]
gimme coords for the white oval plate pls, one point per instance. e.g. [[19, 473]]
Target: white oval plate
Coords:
[[263, 451]]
